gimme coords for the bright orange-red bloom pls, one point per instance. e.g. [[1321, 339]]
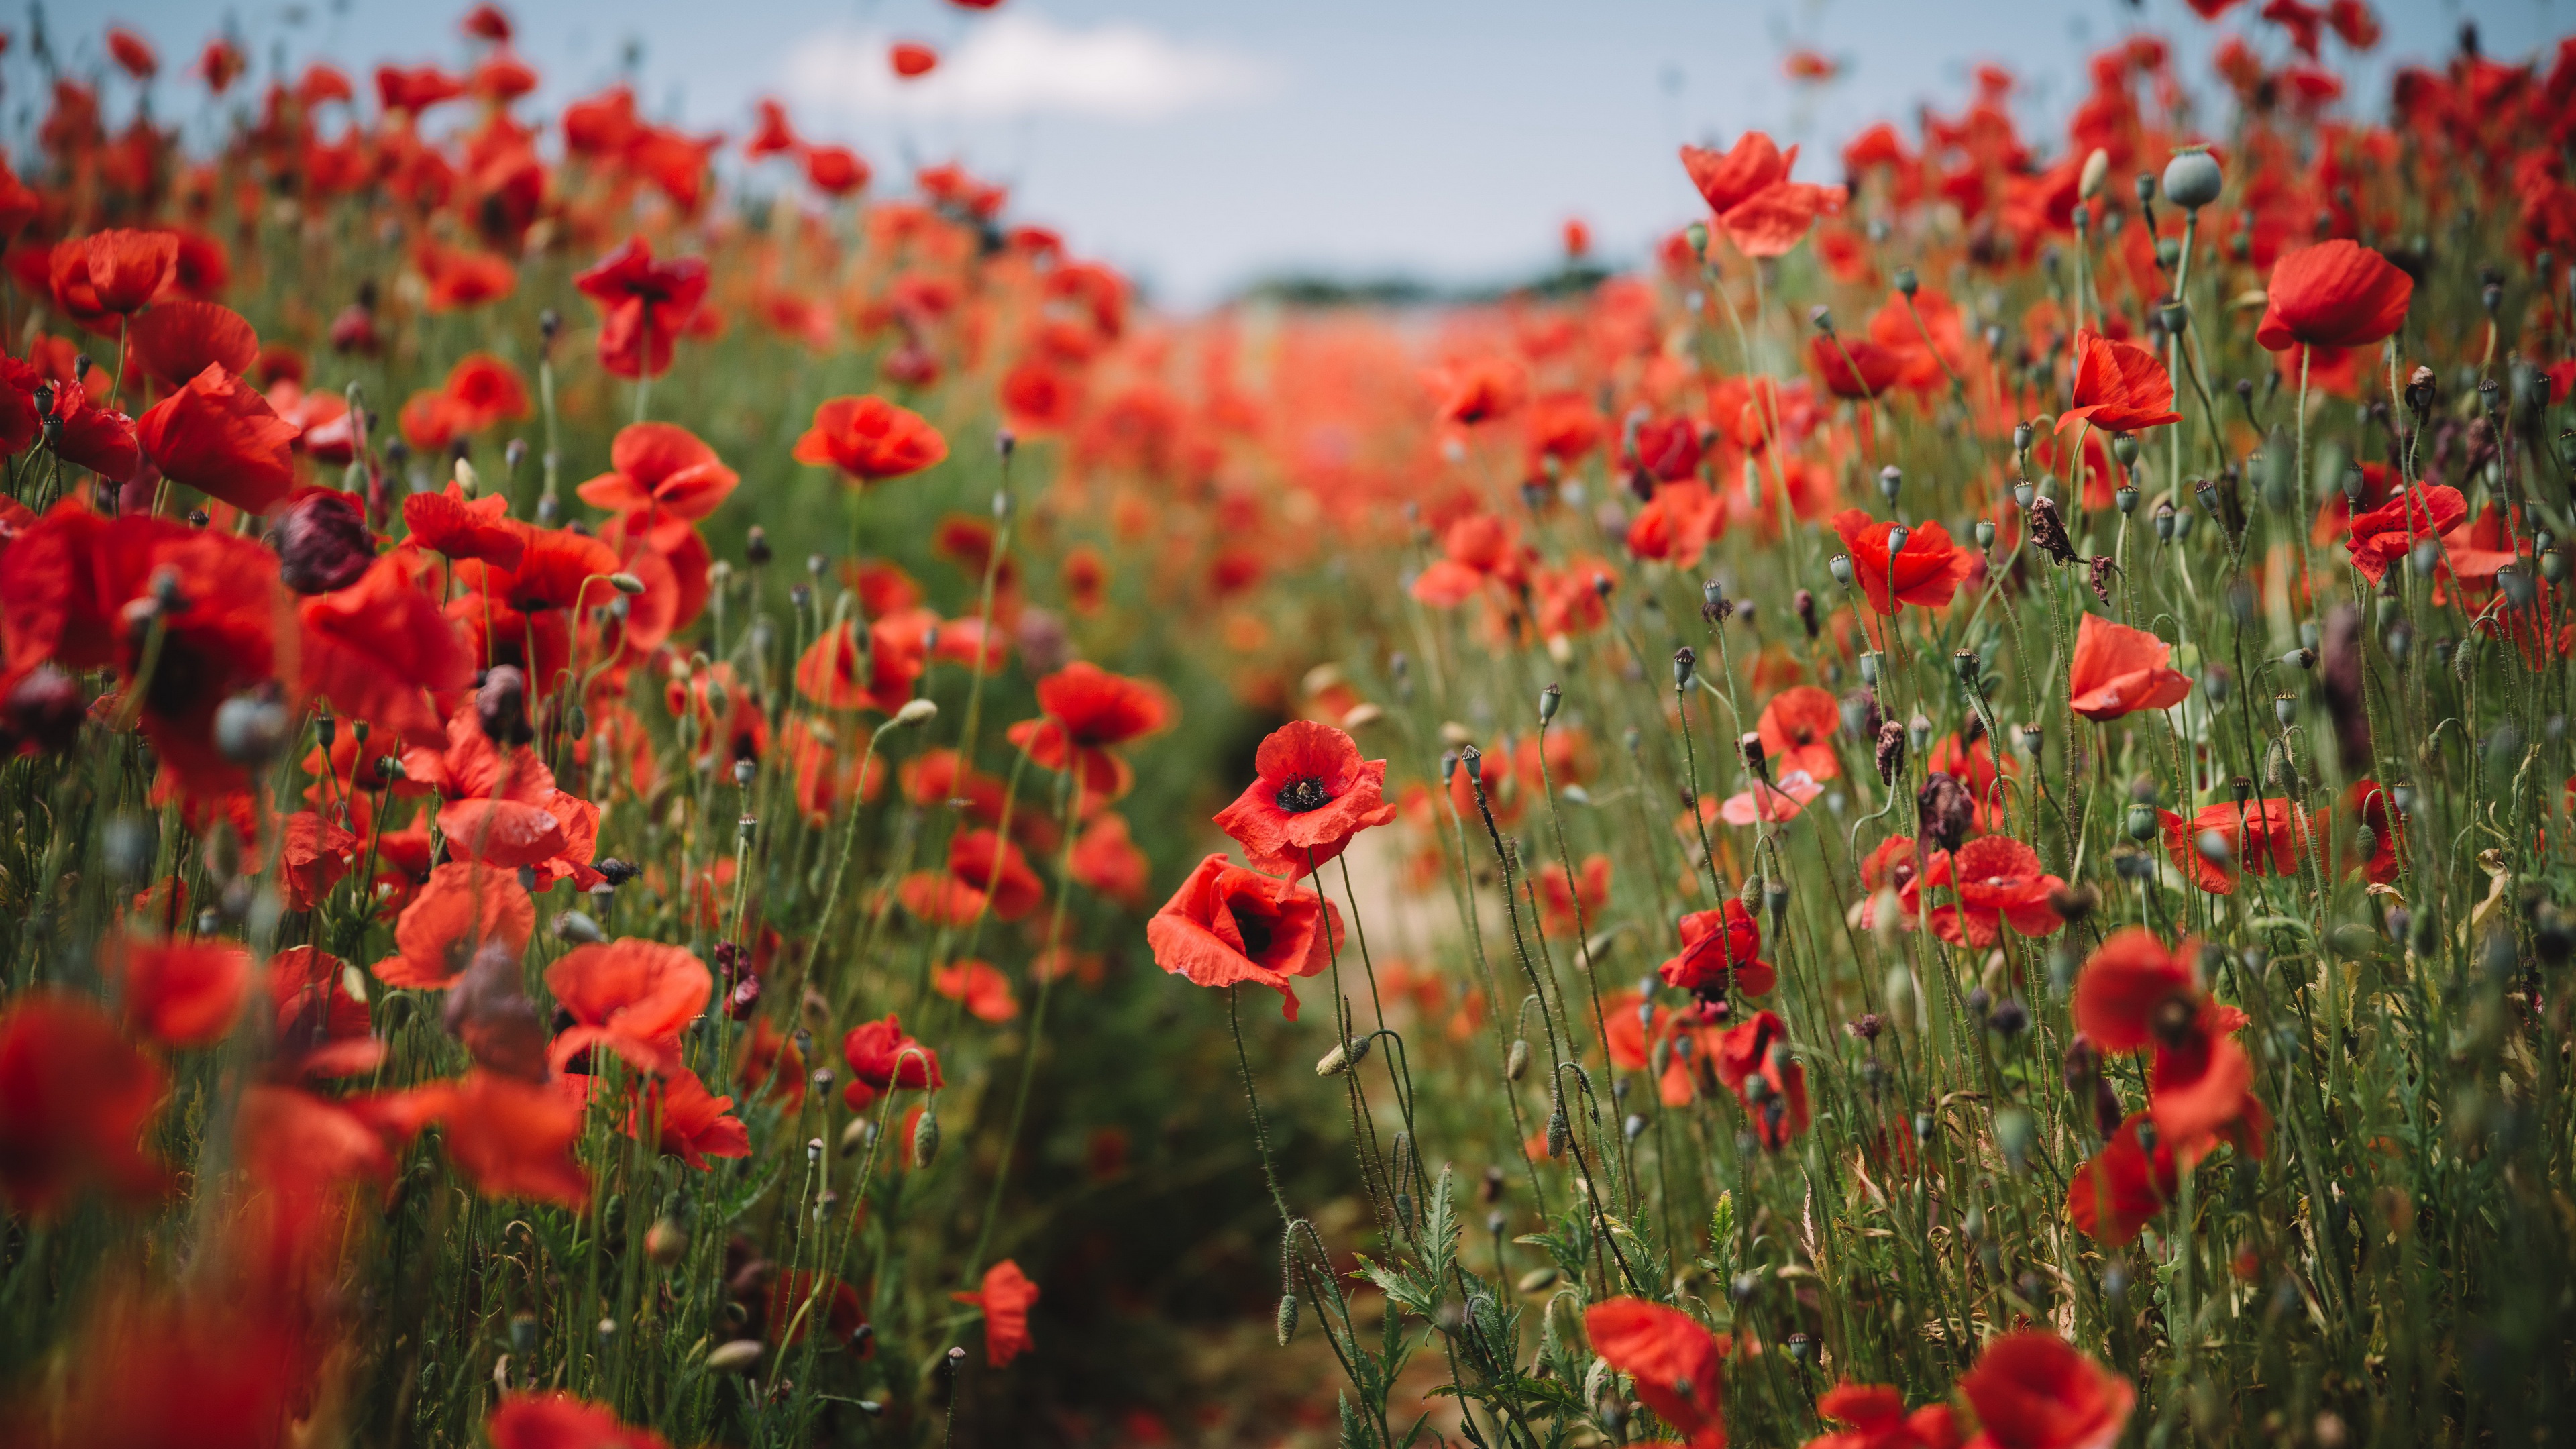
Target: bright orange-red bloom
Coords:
[[560, 1421], [2267, 837], [1998, 879], [1313, 795], [2335, 294], [2120, 387], [1925, 573], [664, 468], [113, 272], [1797, 729], [75, 1096], [2123, 1187], [1227, 925], [1876, 1413], [646, 306], [1006, 1299], [465, 528], [377, 648], [220, 437], [882, 1059], [1107, 860], [688, 1121], [1758, 207], [463, 906], [1088, 709], [132, 53], [632, 996], [180, 993], [480, 390], [1853, 369], [2382, 537], [509, 1138], [1754, 1062], [1477, 550], [2135, 994], [912, 60], [1721, 952], [1675, 1362], [985, 872], [980, 985], [2032, 1391], [1565, 901], [870, 440], [2118, 670]]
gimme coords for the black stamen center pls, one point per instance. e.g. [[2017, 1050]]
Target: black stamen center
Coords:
[[1302, 794], [1257, 933]]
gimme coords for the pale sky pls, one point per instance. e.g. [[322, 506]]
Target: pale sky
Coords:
[[1200, 144]]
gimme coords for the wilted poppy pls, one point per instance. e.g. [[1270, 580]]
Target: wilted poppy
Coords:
[[2120, 387], [1313, 794], [1087, 710], [1675, 1361], [1227, 925], [2032, 1391], [1721, 953], [1755, 1063], [1006, 1298], [870, 440], [2118, 670], [2335, 294], [75, 1097], [1924, 573]]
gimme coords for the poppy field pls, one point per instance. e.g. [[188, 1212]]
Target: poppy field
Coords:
[[668, 789]]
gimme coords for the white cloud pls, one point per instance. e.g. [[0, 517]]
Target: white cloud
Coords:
[[1017, 64]]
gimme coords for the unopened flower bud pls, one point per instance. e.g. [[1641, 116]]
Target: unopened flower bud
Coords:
[[323, 542]]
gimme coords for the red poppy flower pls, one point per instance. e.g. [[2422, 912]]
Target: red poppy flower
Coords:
[[114, 272], [1107, 861], [2118, 670], [2031, 1391], [560, 1421], [2123, 1187], [836, 170], [2384, 535], [883, 1059], [1480, 390], [1876, 1413], [2120, 387], [480, 390], [1925, 573], [662, 467], [1476, 550], [463, 906], [631, 995], [132, 53], [2335, 294], [2134, 994], [1998, 880], [458, 278], [1756, 204], [1668, 449], [1227, 925], [981, 986], [465, 528], [1088, 709], [1797, 729], [1754, 1062], [985, 872], [691, 1123], [2368, 799], [1674, 1361], [828, 673], [509, 1138], [322, 1030], [181, 338], [802, 1300], [2267, 837], [1313, 795], [75, 1097], [1006, 1298], [1853, 369], [1721, 952], [412, 90], [1565, 901], [94, 436], [378, 647], [912, 60], [180, 993], [220, 437], [647, 305], [870, 440]]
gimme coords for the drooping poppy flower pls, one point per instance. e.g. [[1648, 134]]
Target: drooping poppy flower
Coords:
[[1876, 1414], [664, 468], [220, 437], [1313, 794], [1721, 952], [2337, 293], [690, 1122], [981, 986], [560, 1421], [882, 1059], [870, 440], [180, 993], [1087, 710], [75, 1096], [647, 305], [1755, 1063], [94, 436], [1797, 728], [181, 338], [1998, 880], [2118, 670], [463, 906], [1228, 925], [1673, 1359], [631, 995], [1924, 573], [2135, 994], [2120, 387], [2032, 1391], [2382, 537], [1006, 1298], [132, 53], [2124, 1186]]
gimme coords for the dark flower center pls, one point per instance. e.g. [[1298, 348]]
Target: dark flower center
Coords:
[[1258, 932], [2174, 1019], [1302, 794]]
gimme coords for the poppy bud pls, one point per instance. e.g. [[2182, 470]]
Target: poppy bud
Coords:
[[1985, 532], [2192, 179], [322, 542], [1755, 758], [2097, 170], [925, 1138], [735, 1356], [1905, 281], [1560, 1128], [251, 728], [915, 711], [629, 585], [579, 928], [1474, 760], [1516, 1061], [43, 713], [1343, 1057], [1286, 1320], [665, 1241], [1821, 317]]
